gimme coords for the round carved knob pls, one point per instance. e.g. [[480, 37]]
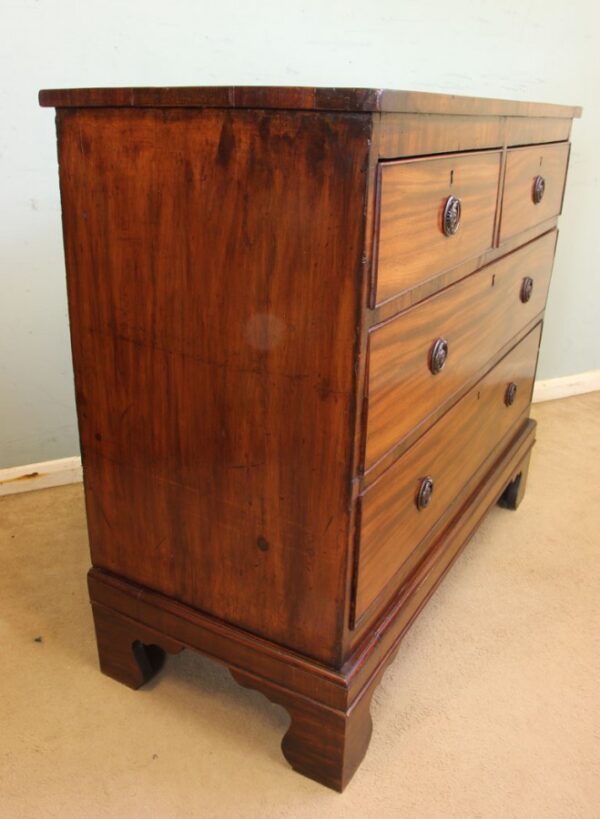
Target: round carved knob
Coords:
[[539, 186], [510, 394], [439, 354], [526, 289], [451, 216], [425, 492]]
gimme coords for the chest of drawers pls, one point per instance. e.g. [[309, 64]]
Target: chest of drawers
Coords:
[[305, 327]]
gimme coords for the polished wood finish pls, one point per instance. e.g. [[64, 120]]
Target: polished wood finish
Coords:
[[412, 246], [409, 135], [440, 281], [226, 389], [523, 130], [406, 135], [303, 98], [477, 317], [522, 166], [331, 723], [125, 613], [127, 653], [223, 248], [391, 525], [343, 737], [431, 559]]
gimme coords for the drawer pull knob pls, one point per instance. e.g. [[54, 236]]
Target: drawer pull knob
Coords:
[[539, 186], [439, 354], [425, 492], [510, 394], [451, 217], [526, 289]]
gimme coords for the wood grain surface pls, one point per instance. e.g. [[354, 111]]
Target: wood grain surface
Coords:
[[525, 130], [412, 246], [391, 525], [214, 262], [298, 97], [409, 298], [411, 135], [384, 624], [238, 260], [330, 720], [477, 317], [522, 166]]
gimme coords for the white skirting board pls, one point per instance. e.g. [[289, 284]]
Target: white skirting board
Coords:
[[40, 476], [566, 386], [68, 470]]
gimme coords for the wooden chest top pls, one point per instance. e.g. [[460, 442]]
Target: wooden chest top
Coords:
[[380, 100]]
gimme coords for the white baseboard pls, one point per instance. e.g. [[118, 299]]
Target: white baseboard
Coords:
[[68, 470], [40, 476], [554, 388]]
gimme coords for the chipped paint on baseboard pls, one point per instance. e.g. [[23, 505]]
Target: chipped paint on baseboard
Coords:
[[25, 477], [40, 476]]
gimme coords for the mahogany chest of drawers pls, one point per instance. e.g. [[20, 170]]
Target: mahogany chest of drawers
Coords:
[[305, 326]]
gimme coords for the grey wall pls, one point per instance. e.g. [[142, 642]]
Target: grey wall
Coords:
[[523, 49]]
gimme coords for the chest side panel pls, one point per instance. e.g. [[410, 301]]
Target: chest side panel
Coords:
[[213, 265]]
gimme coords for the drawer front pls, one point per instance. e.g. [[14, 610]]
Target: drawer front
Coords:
[[413, 195], [450, 453], [522, 207], [475, 318]]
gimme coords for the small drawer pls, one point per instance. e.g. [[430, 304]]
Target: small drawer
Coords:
[[433, 214], [533, 186], [398, 511], [420, 359]]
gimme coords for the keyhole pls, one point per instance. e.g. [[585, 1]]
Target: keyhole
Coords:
[[541, 160], [493, 280], [452, 176]]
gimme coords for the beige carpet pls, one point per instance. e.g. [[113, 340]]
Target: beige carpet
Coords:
[[492, 708]]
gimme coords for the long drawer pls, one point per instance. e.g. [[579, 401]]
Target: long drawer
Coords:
[[401, 507], [433, 214], [469, 322]]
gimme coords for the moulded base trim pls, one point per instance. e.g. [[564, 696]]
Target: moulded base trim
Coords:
[[329, 707]]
